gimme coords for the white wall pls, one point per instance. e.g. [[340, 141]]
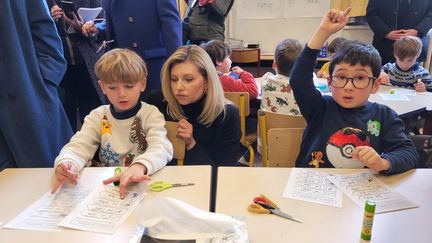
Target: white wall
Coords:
[[269, 32]]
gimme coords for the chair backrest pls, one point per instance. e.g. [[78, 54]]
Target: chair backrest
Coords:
[[239, 98], [178, 143], [245, 55], [248, 55], [241, 101], [283, 146]]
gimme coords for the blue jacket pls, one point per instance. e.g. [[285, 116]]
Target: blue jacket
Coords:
[[33, 125], [152, 28], [333, 131]]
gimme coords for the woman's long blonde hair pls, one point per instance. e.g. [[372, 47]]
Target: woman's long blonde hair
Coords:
[[214, 103]]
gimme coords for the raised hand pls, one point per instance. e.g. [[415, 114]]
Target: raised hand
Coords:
[[335, 20], [331, 23]]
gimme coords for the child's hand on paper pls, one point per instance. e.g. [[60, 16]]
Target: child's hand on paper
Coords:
[[369, 157], [237, 70], [420, 86], [135, 173], [384, 78], [89, 29], [65, 172]]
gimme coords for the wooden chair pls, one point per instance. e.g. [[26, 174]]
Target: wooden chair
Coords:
[[241, 101], [281, 137], [178, 143], [247, 55]]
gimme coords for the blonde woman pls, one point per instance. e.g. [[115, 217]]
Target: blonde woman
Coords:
[[193, 96]]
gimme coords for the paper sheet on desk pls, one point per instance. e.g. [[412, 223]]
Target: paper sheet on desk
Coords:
[[102, 211], [49, 210], [365, 186], [312, 186], [87, 14]]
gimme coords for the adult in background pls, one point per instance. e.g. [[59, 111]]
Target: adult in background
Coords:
[[151, 28], [205, 20], [207, 122], [392, 19], [79, 82], [33, 125]]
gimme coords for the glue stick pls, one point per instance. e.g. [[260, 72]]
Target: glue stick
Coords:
[[117, 171], [368, 217]]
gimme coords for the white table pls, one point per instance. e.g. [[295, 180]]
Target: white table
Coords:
[[418, 101], [238, 186], [19, 188]]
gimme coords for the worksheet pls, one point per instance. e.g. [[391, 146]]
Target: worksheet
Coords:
[[102, 210], [365, 186], [49, 210], [312, 186]]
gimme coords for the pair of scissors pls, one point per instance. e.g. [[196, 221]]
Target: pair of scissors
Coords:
[[159, 186], [262, 205]]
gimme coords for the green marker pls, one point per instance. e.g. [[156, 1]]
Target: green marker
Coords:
[[117, 171], [369, 213]]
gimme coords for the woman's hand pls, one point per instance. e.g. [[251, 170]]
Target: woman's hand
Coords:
[[135, 173], [89, 29], [56, 12], [185, 131], [65, 172], [76, 21]]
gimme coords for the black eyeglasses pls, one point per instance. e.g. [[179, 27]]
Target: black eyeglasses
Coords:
[[359, 82]]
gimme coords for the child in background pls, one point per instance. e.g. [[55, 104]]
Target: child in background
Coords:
[[220, 53], [335, 44], [128, 131], [345, 130], [276, 90], [406, 71]]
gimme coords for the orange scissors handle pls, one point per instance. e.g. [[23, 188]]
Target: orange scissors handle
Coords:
[[256, 208]]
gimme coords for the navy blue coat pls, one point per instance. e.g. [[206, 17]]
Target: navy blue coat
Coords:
[[152, 28], [384, 16], [33, 125]]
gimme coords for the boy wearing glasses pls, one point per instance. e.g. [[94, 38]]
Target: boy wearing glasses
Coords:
[[345, 130]]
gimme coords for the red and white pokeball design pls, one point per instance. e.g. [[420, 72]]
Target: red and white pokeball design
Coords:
[[341, 145]]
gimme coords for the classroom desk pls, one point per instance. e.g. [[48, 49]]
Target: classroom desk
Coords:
[[238, 186], [420, 103], [22, 187]]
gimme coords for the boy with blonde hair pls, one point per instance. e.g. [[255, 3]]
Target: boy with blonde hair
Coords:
[[344, 130], [406, 71], [128, 132]]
